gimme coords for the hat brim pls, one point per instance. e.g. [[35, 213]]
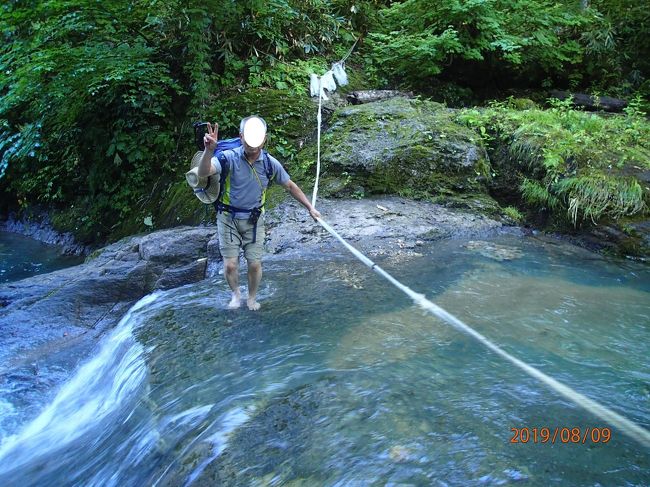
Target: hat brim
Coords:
[[205, 189]]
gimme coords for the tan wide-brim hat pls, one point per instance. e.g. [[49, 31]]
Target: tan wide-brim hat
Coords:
[[205, 188]]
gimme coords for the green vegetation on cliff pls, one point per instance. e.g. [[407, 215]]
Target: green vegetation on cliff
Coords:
[[97, 101], [577, 166]]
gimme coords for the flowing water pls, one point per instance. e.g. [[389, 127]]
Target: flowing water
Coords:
[[340, 380], [22, 257]]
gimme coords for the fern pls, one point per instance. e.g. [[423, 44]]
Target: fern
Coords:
[[537, 195], [591, 197]]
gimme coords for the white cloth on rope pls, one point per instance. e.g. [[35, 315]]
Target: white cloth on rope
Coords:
[[341, 76], [327, 81], [314, 84]]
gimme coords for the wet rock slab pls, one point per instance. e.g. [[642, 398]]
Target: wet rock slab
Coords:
[[378, 226], [52, 321]]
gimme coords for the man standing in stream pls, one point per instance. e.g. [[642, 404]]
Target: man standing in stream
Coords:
[[240, 207]]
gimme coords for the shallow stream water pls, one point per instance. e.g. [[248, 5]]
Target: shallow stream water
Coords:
[[340, 380], [22, 257]]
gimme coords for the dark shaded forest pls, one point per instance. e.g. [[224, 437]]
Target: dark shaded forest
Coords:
[[98, 98]]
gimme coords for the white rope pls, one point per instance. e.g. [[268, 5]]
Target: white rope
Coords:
[[626, 426], [318, 119]]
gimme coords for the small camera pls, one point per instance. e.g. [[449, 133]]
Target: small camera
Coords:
[[200, 129]]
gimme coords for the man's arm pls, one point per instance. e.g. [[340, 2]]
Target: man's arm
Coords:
[[300, 197], [210, 141]]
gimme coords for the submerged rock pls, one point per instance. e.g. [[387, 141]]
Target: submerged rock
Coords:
[[494, 251]]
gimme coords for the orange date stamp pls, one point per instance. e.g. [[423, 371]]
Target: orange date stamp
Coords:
[[558, 434]]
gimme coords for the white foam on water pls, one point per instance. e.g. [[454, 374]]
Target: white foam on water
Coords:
[[229, 422], [97, 388]]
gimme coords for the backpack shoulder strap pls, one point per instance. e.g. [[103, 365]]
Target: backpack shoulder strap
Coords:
[[225, 168], [268, 167]]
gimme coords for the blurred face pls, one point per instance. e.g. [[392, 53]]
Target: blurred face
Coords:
[[251, 152], [253, 137]]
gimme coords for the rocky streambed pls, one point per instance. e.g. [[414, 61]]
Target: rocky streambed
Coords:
[[51, 322]]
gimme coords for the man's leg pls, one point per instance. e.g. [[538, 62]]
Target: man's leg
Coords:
[[231, 270], [254, 278], [253, 252], [229, 243]]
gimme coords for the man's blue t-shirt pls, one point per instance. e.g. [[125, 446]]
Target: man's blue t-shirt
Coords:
[[244, 189]]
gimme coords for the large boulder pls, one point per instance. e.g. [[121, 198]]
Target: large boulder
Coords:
[[400, 146], [381, 225]]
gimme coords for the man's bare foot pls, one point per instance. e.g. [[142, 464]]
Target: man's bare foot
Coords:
[[235, 301], [252, 304]]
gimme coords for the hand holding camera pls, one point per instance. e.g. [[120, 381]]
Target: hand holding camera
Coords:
[[205, 136]]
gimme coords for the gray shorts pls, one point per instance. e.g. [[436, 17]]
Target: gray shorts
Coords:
[[238, 233]]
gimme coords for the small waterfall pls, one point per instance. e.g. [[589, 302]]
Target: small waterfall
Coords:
[[95, 394]]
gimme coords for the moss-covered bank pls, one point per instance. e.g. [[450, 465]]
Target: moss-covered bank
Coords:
[[570, 171]]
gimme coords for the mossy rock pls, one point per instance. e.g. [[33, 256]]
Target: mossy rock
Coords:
[[628, 237], [399, 146], [523, 104]]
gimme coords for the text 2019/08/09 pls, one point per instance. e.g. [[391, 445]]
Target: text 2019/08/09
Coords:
[[558, 434]]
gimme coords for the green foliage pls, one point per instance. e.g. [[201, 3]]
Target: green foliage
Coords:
[[421, 38], [535, 194], [97, 101], [593, 196], [279, 28], [570, 162], [289, 76], [86, 113], [513, 213], [275, 44], [617, 47]]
